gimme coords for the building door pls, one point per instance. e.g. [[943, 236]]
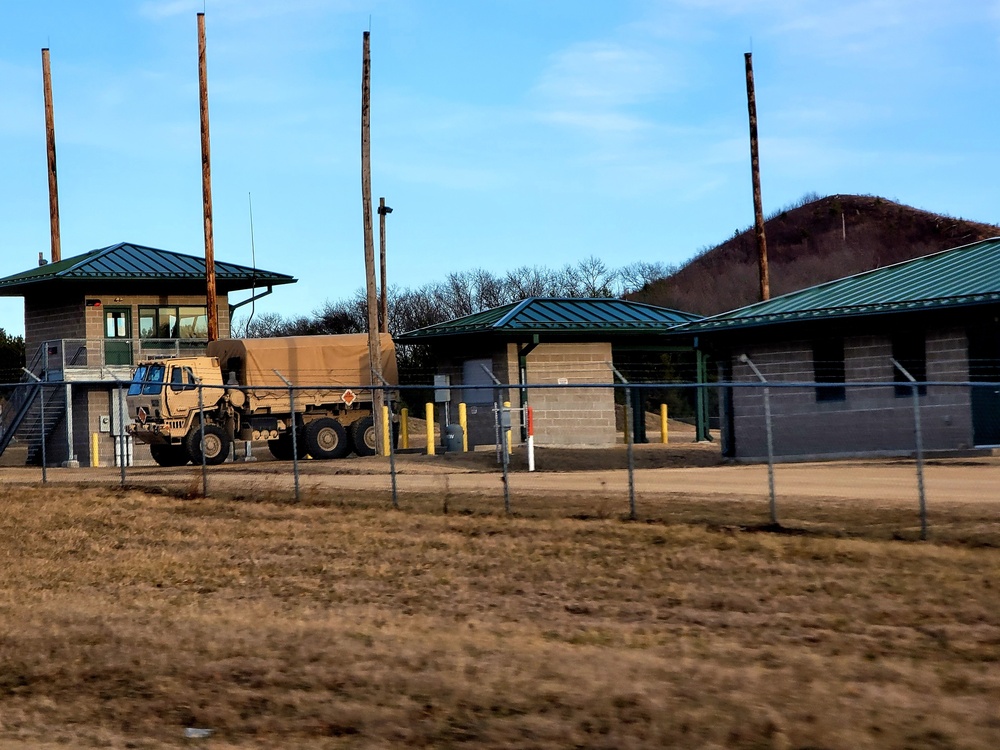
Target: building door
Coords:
[[984, 367], [117, 336]]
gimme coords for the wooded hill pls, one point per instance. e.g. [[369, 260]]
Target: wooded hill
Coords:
[[817, 240]]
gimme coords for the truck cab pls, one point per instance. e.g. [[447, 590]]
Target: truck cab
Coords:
[[167, 389]]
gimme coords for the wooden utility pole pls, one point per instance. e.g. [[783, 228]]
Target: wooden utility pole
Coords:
[[384, 295], [50, 140], [374, 345], [758, 208], [206, 185]]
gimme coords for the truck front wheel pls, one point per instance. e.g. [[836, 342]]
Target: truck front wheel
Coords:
[[215, 447], [326, 438]]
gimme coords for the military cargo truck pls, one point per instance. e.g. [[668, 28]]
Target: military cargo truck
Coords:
[[245, 398]]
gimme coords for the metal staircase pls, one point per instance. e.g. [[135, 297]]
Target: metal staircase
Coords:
[[22, 420]]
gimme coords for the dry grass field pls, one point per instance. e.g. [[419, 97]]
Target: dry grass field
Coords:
[[128, 615]]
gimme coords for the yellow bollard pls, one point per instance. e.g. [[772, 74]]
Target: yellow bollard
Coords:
[[385, 431], [463, 422], [429, 415], [510, 446], [663, 423], [404, 428], [95, 456]]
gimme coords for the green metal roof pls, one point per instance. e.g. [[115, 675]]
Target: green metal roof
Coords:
[[967, 275], [136, 263], [560, 315]]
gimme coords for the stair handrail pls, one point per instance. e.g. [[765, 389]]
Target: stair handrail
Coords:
[[36, 361], [18, 406]]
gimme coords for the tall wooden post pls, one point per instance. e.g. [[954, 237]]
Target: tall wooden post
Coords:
[[374, 345], [50, 140], [206, 185], [383, 293], [758, 208]]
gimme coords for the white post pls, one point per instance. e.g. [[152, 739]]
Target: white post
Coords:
[[531, 437]]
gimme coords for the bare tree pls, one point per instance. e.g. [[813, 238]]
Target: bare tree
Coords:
[[635, 276], [594, 278]]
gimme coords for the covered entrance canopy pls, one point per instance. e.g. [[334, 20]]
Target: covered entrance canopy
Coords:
[[581, 334]]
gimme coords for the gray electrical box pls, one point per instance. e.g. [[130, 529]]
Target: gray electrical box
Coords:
[[442, 386], [104, 423]]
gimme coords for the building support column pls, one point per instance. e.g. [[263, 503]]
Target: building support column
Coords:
[[701, 409], [70, 462]]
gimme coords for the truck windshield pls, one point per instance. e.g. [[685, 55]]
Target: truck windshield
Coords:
[[136, 388], [153, 381]]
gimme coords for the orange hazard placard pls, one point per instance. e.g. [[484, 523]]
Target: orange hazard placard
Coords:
[[348, 397]]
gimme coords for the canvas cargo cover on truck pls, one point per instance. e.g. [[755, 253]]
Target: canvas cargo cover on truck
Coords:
[[340, 361]]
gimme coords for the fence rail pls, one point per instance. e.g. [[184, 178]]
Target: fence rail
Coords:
[[782, 428]]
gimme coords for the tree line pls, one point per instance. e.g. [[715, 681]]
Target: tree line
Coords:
[[460, 293]]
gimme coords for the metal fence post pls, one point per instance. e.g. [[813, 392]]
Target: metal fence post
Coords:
[[41, 407], [41, 410], [392, 448], [918, 436], [770, 436], [392, 460], [201, 428], [505, 451], [628, 440], [294, 431], [122, 438]]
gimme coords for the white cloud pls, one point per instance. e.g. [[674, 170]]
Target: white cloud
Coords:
[[241, 10], [603, 74], [598, 122], [160, 9]]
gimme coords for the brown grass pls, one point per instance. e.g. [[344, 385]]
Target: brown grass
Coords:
[[126, 617]]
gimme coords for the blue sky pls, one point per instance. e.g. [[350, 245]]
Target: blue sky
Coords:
[[504, 132]]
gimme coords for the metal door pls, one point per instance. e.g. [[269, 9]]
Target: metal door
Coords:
[[117, 336]]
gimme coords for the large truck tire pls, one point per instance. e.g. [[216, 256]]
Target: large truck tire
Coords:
[[169, 455], [326, 438], [216, 446], [363, 437]]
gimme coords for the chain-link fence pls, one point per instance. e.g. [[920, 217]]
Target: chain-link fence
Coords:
[[905, 458]]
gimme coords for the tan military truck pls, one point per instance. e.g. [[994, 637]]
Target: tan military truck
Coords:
[[331, 417]]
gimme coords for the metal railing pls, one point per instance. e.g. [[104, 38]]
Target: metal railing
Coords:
[[59, 358]]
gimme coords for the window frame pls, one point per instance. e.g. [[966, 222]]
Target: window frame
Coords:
[[830, 368], [170, 320]]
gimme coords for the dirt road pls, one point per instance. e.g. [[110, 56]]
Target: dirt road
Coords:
[[688, 470]]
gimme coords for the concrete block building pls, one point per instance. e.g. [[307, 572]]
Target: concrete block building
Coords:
[[541, 341], [856, 342], [88, 318]]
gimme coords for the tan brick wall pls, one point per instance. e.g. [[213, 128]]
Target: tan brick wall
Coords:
[[570, 416], [51, 318]]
